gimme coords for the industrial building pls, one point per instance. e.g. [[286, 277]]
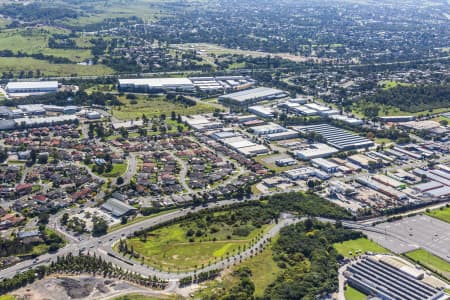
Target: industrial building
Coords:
[[155, 85], [201, 122], [381, 188], [93, 115], [245, 146], [37, 122], [378, 278], [222, 83], [306, 172], [337, 137], [397, 119], [348, 120], [268, 129], [32, 109], [26, 88], [262, 111], [285, 135], [325, 165], [317, 107], [305, 111], [248, 97], [315, 151], [284, 162], [363, 161]]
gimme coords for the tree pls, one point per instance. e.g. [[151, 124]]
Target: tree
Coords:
[[443, 122], [120, 180], [64, 219], [100, 227]]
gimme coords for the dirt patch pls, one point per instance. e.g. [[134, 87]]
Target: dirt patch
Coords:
[[77, 288]]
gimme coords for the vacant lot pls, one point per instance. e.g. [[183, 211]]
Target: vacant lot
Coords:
[[430, 261], [360, 245], [155, 106], [17, 64], [33, 41]]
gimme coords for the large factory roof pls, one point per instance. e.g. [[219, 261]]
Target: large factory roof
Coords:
[[32, 85], [156, 82], [337, 137], [382, 280], [256, 93]]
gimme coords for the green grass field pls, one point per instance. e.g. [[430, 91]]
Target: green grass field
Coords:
[[264, 272], [17, 64], [441, 214], [7, 297], [117, 170], [353, 294], [155, 106], [361, 245], [169, 248], [430, 261], [141, 297], [35, 40], [392, 84]]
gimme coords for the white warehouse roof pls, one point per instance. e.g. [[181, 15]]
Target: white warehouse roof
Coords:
[[32, 85], [156, 82]]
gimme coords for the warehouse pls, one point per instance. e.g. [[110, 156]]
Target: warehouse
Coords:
[[381, 188], [93, 115], [253, 150], [317, 107], [44, 121], [377, 278], [155, 85], [389, 181], [305, 111], [202, 123], [268, 129], [32, 109], [397, 118], [26, 88], [315, 151], [248, 97], [286, 135], [325, 165], [5, 112], [348, 120], [262, 111], [337, 137], [222, 135], [439, 193], [362, 160]]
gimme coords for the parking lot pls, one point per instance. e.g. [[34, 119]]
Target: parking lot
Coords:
[[415, 232]]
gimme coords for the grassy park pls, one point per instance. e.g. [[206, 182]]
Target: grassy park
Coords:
[[196, 241], [442, 214], [430, 261], [358, 246]]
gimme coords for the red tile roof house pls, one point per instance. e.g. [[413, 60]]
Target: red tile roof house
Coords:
[[23, 189]]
